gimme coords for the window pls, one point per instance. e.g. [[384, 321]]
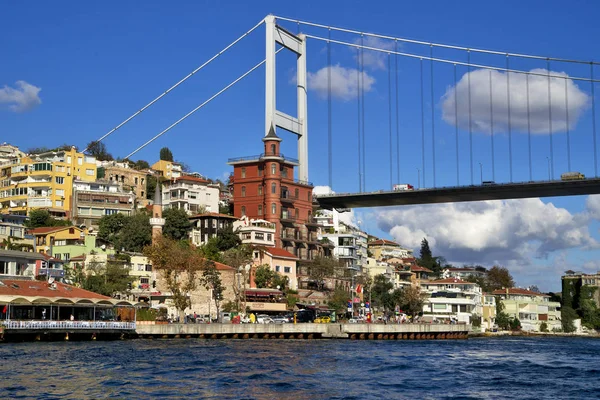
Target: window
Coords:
[[260, 210], [60, 180], [260, 170], [260, 190], [243, 172], [144, 281], [135, 180], [309, 195], [58, 203], [214, 223], [60, 192], [297, 193], [4, 267], [192, 195], [66, 256], [269, 237], [273, 149], [277, 268], [243, 191], [206, 223], [68, 159], [273, 208], [140, 267], [89, 172], [243, 210], [273, 168], [79, 161], [287, 270], [273, 188]]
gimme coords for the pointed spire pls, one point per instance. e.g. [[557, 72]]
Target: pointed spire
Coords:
[[272, 135], [158, 194]]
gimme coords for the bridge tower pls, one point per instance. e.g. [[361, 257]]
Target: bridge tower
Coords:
[[273, 117]]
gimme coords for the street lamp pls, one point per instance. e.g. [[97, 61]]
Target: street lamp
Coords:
[[481, 173]]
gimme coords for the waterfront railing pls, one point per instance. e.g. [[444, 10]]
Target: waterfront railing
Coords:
[[112, 325]]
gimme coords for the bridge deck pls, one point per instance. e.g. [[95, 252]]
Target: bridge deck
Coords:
[[461, 193]]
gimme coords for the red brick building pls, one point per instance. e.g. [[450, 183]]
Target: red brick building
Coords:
[[264, 187]]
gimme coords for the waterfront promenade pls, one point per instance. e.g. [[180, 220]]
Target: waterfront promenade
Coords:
[[305, 331]]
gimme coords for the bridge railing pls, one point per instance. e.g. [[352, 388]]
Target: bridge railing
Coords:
[[49, 325]]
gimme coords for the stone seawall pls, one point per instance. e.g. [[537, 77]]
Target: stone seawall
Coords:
[[305, 331]]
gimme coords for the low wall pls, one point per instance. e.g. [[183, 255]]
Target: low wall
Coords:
[[305, 331]]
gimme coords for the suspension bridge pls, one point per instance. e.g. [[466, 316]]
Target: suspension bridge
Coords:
[[440, 112]]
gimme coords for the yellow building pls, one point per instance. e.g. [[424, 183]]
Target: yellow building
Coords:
[[47, 238], [44, 181], [488, 316], [168, 169]]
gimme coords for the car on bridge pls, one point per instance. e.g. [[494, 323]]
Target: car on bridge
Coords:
[[572, 176]]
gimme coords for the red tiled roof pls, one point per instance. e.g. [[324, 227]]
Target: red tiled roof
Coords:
[[223, 267], [382, 242], [418, 268], [451, 280], [50, 258], [78, 258], [190, 178], [518, 291], [47, 229], [31, 288], [275, 252]]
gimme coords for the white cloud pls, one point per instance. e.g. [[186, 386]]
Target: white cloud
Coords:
[[538, 102], [344, 82], [349, 217], [490, 232], [374, 59], [23, 97], [592, 205]]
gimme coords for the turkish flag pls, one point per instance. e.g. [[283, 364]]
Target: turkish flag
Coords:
[[5, 309]]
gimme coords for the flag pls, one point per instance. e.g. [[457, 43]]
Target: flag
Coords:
[[359, 289], [5, 309]]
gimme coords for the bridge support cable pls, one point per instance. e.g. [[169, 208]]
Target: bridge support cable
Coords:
[[456, 127], [470, 117], [360, 189], [448, 61], [432, 115], [528, 126], [245, 74], [510, 158], [390, 120], [441, 45], [492, 127], [422, 126], [592, 82], [178, 83], [362, 94], [550, 121], [567, 121], [329, 122], [397, 119]]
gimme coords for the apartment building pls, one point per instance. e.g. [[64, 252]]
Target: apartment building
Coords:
[[575, 280], [264, 187], [452, 298], [530, 308], [93, 200], [18, 264], [255, 232], [130, 179], [168, 169], [383, 249], [44, 180], [192, 194], [208, 225]]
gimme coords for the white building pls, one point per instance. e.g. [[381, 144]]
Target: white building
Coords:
[[194, 195], [462, 273], [349, 241], [93, 200], [257, 232], [452, 298]]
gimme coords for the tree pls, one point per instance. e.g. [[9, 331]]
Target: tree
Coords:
[[98, 149], [515, 324], [427, 260], [412, 300], [151, 182], [108, 278], [211, 280], [321, 268], [228, 239], [110, 226], [135, 234], [178, 265], [41, 218], [568, 317], [177, 224], [263, 276], [239, 258], [165, 154], [210, 250], [141, 164], [425, 253], [498, 278], [338, 300], [502, 319], [380, 292]]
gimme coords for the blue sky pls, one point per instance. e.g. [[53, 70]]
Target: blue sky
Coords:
[[94, 64]]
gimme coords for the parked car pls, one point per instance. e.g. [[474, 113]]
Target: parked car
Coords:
[[323, 319], [264, 319], [280, 319]]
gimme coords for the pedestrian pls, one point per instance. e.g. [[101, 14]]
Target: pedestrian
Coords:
[[72, 317]]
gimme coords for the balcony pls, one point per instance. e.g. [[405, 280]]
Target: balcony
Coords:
[[260, 157], [287, 197], [286, 217], [39, 202], [51, 272]]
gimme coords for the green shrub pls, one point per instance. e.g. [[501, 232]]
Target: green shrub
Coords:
[[544, 327]]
